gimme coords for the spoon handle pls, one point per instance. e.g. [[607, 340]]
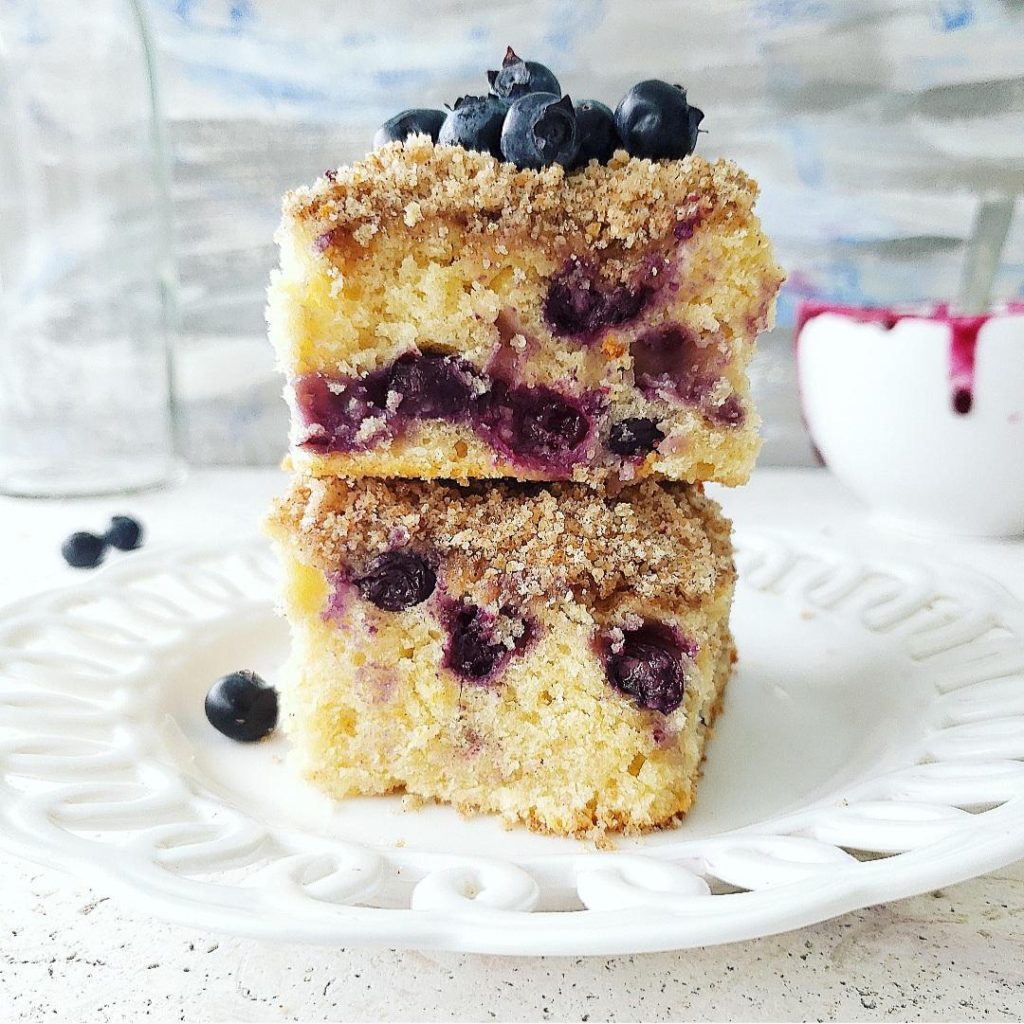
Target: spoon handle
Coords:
[[984, 249]]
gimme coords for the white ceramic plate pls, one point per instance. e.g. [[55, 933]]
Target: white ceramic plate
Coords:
[[872, 747]]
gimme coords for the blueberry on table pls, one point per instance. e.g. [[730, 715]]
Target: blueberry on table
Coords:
[[83, 550], [598, 135], [242, 707], [419, 121], [540, 129], [124, 533], [397, 580], [518, 77], [474, 122], [655, 121]]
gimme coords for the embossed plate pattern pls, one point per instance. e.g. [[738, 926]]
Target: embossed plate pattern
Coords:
[[872, 747]]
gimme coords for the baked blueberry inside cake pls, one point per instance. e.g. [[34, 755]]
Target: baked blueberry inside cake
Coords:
[[551, 653]]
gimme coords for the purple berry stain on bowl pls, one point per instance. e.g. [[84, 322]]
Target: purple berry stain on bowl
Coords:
[[963, 338]]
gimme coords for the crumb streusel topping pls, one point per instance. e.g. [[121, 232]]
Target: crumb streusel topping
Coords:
[[652, 540], [627, 203]]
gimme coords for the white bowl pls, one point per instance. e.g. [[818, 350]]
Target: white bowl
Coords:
[[879, 392]]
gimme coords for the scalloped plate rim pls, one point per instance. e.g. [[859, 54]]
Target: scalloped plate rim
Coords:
[[966, 853]]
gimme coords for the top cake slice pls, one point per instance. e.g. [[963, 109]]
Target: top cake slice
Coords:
[[439, 313]]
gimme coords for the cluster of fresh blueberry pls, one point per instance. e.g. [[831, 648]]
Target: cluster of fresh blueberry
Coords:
[[526, 120], [84, 550]]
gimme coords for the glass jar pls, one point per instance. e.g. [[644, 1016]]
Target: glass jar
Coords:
[[87, 285]]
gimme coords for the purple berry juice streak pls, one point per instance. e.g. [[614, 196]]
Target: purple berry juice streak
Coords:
[[963, 337], [340, 597]]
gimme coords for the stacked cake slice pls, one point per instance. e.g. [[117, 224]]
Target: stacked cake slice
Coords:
[[506, 588]]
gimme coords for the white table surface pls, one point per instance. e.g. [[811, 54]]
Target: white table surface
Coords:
[[69, 953]]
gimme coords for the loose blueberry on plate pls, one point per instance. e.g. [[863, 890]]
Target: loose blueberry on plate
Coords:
[[635, 435], [655, 121], [599, 138], [397, 580], [124, 533], [419, 121], [518, 77], [540, 129], [242, 707], [83, 550], [474, 122]]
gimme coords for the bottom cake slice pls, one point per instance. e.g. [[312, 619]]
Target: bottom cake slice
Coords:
[[550, 653]]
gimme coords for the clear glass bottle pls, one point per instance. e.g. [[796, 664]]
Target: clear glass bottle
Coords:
[[87, 284]]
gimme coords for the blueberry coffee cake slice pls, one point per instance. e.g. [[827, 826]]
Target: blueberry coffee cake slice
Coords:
[[551, 653], [441, 312]]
